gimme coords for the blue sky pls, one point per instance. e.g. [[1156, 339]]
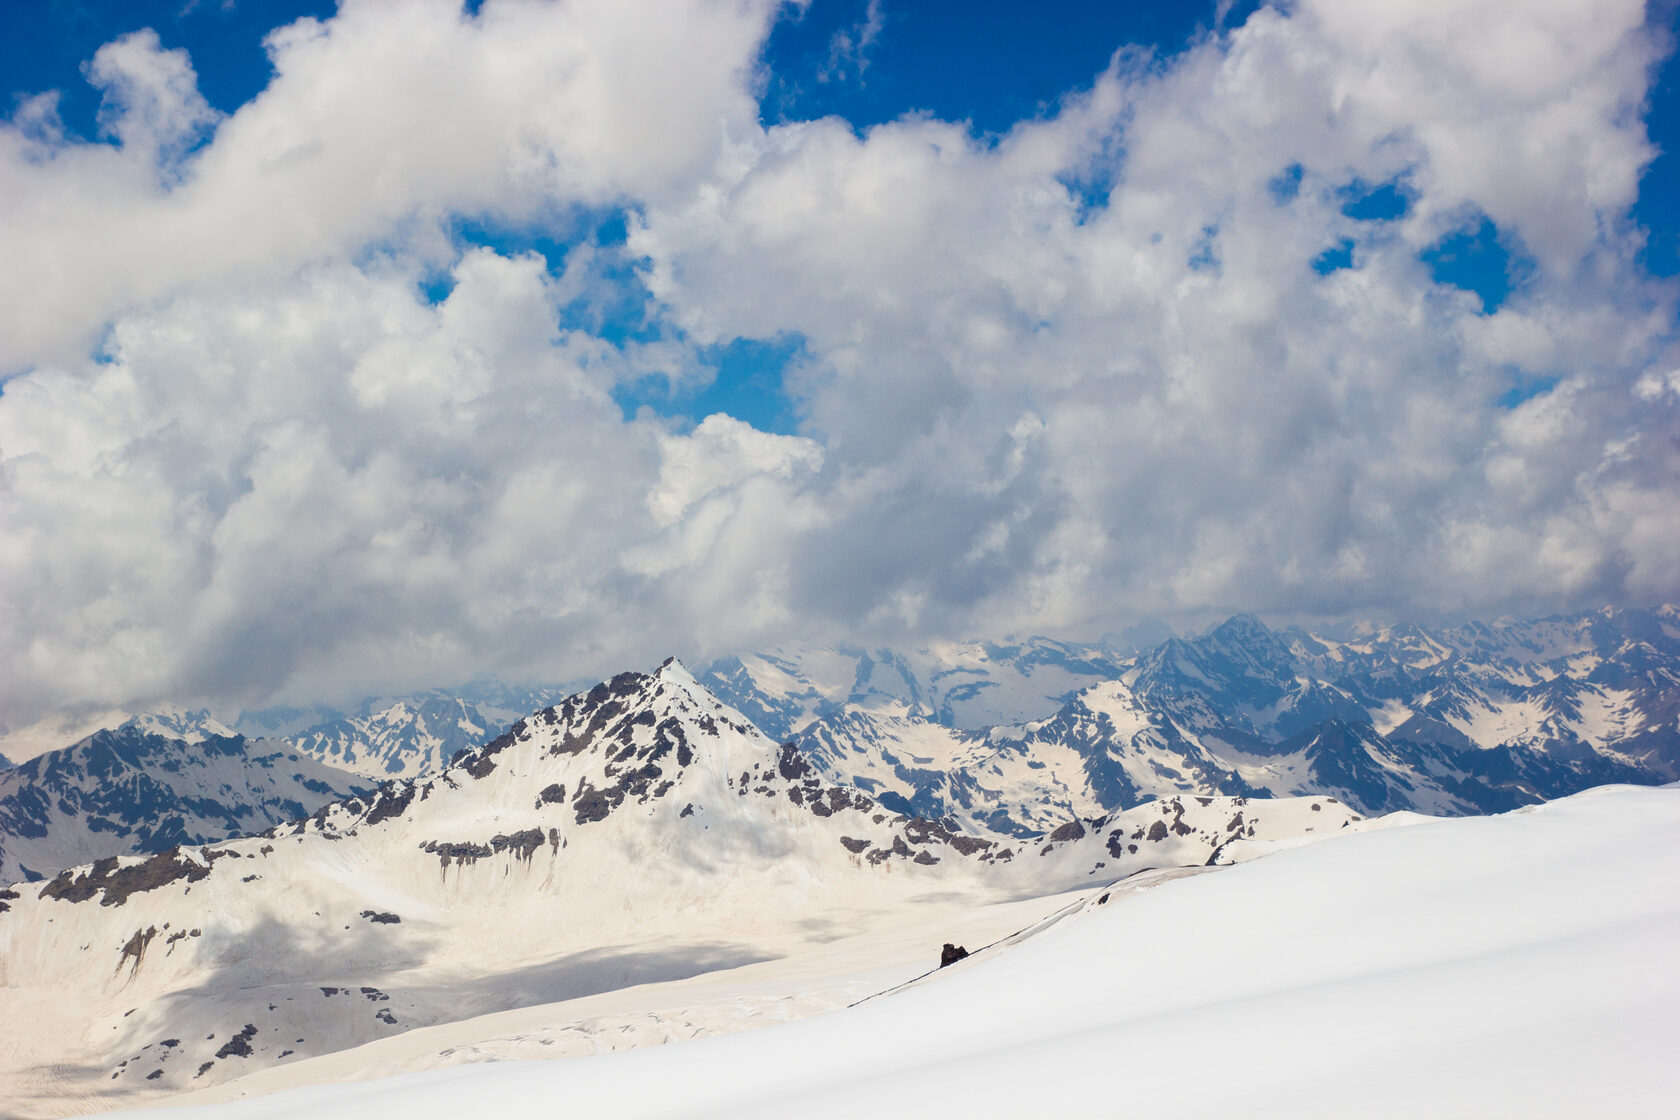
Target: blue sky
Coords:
[[547, 339], [990, 64]]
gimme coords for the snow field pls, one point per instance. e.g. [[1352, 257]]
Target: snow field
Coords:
[[1519, 965]]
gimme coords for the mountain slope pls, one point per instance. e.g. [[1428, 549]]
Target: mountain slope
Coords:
[[406, 736], [132, 791], [639, 832], [403, 739], [642, 815], [1519, 965], [1472, 719]]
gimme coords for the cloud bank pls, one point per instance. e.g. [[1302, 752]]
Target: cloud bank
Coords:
[[1175, 347]]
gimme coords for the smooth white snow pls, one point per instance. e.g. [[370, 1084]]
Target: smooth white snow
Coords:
[[1519, 965]]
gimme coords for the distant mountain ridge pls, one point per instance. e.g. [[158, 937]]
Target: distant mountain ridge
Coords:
[[1475, 718], [404, 736], [131, 791], [1019, 737], [965, 685]]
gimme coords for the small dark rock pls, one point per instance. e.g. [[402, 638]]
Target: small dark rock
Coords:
[[1072, 830], [240, 1044]]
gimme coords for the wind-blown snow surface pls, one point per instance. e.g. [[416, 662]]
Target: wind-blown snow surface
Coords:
[[1519, 965]]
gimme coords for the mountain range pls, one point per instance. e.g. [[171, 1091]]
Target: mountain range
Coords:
[[644, 834], [639, 832], [1463, 719], [131, 790], [1014, 738]]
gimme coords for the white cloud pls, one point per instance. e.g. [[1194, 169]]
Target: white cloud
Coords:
[[848, 49], [327, 483], [289, 472], [381, 117], [1233, 430], [719, 454], [151, 103]]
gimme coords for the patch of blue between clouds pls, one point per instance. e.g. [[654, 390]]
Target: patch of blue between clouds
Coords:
[[1089, 193], [1206, 256], [44, 45], [1285, 186], [1524, 388], [991, 63], [617, 307], [1338, 256], [1382, 202], [748, 382], [1658, 206], [1478, 258], [747, 375]]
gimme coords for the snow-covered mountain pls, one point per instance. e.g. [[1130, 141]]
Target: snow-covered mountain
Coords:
[[637, 832], [133, 791], [966, 685], [403, 739], [1470, 719], [392, 737], [1518, 965]]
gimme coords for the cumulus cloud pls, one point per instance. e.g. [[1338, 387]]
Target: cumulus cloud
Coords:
[[1218, 423], [330, 480], [382, 117], [1089, 371]]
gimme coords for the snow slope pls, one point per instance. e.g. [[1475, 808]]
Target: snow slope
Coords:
[[639, 833], [1519, 965]]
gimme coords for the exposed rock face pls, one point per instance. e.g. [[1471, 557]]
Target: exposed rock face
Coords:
[[951, 954], [1470, 719], [635, 743], [112, 882], [131, 791]]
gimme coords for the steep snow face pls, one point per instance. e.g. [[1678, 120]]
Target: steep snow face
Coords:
[[907, 762], [55, 733], [132, 791], [175, 722]]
